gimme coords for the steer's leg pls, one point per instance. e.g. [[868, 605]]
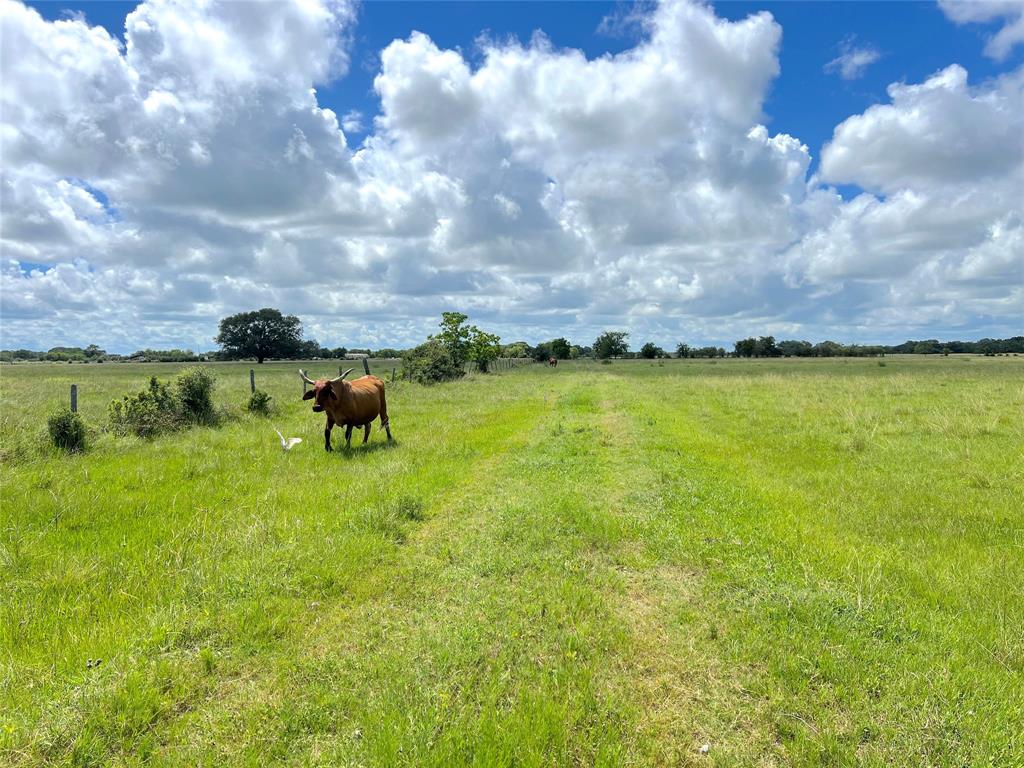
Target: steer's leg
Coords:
[[366, 433], [348, 435], [327, 433]]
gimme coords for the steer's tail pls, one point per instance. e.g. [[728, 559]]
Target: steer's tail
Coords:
[[384, 421]]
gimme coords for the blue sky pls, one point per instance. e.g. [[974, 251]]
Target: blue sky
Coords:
[[797, 281]]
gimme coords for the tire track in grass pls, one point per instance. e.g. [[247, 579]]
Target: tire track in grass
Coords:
[[688, 696], [549, 629], [745, 726]]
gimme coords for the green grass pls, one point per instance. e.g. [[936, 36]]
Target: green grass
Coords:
[[797, 562]]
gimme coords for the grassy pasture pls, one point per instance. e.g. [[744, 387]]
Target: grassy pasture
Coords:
[[796, 562]]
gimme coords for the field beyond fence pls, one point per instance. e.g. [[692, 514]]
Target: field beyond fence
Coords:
[[680, 562]]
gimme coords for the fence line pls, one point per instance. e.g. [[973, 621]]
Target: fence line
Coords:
[[499, 364]]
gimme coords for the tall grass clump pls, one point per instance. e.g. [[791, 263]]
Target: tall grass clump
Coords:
[[67, 430]]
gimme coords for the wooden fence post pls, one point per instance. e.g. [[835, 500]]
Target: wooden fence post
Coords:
[[252, 380], [366, 366], [339, 370], [393, 370], [74, 398]]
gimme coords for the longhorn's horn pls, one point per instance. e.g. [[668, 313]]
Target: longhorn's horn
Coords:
[[305, 378], [346, 373]]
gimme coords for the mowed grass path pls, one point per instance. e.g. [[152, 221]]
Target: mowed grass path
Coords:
[[794, 562]]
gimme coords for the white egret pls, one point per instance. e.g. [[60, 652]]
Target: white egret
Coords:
[[287, 443]]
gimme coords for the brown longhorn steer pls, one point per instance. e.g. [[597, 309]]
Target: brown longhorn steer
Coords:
[[348, 404]]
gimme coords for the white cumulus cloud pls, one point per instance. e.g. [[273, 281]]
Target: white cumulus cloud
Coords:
[[1010, 13], [939, 230], [151, 188]]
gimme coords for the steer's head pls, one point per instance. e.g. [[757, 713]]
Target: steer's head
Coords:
[[323, 390]]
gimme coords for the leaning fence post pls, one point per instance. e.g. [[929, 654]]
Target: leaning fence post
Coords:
[[339, 370], [393, 375], [252, 380], [366, 366], [74, 398]]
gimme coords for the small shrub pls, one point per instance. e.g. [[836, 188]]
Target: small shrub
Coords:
[[150, 412], [431, 363], [606, 361], [259, 403], [67, 430], [881, 363], [194, 388]]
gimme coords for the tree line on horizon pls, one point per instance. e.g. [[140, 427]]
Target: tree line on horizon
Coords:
[[267, 333]]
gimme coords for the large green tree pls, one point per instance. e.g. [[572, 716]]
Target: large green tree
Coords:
[[484, 348], [260, 334], [561, 348], [611, 344], [454, 335], [650, 350], [467, 343]]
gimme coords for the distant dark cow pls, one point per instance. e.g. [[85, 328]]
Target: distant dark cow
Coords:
[[348, 404], [552, 361]]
